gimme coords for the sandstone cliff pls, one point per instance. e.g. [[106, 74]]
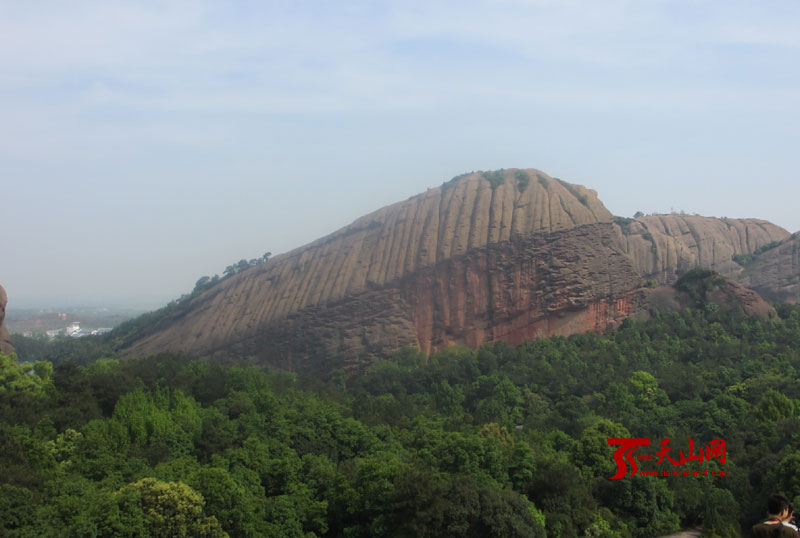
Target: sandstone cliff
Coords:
[[775, 272], [504, 255], [727, 294], [5, 339], [664, 246], [509, 255]]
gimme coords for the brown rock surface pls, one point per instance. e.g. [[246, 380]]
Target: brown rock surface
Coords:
[[5, 338], [508, 255], [735, 295], [729, 295], [560, 283], [775, 273], [663, 246]]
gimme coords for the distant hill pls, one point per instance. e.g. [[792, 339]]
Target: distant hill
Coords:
[[507, 255], [38, 322]]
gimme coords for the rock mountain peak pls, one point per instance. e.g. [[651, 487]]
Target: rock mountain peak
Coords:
[[504, 255]]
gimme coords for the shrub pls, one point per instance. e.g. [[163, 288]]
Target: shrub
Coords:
[[495, 178], [581, 197], [522, 179]]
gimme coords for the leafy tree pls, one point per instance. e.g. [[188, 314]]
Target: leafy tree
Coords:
[[645, 503], [26, 379], [170, 509], [593, 455], [228, 501]]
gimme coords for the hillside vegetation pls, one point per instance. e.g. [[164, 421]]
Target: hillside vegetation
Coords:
[[499, 441]]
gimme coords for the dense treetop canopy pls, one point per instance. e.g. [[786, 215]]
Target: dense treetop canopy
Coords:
[[499, 441]]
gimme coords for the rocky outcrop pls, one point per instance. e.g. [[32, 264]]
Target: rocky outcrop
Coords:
[[551, 284], [756, 253], [5, 338], [664, 246], [510, 255], [734, 295], [774, 272], [488, 256], [548, 284], [727, 294]]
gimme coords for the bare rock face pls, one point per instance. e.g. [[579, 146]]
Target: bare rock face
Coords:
[[559, 283], [775, 272], [5, 338], [735, 295], [664, 246], [496, 256], [507, 255], [729, 294]]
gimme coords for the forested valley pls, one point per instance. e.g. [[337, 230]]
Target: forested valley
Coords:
[[501, 441]]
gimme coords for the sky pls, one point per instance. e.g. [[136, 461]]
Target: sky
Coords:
[[146, 144]]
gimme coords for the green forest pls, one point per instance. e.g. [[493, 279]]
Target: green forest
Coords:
[[501, 441]]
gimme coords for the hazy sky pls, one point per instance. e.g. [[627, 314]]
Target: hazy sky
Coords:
[[145, 144]]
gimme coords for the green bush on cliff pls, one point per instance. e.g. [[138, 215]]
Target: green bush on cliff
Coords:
[[523, 179], [581, 197], [495, 178], [746, 259], [624, 223]]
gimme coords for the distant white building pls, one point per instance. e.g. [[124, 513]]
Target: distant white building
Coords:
[[73, 329]]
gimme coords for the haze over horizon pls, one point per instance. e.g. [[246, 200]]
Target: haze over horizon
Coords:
[[146, 146]]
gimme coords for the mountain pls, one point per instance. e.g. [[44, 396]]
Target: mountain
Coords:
[[664, 246], [507, 255], [774, 271]]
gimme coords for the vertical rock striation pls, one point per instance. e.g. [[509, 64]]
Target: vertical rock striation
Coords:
[[509, 255], [504, 255], [663, 246], [775, 272]]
